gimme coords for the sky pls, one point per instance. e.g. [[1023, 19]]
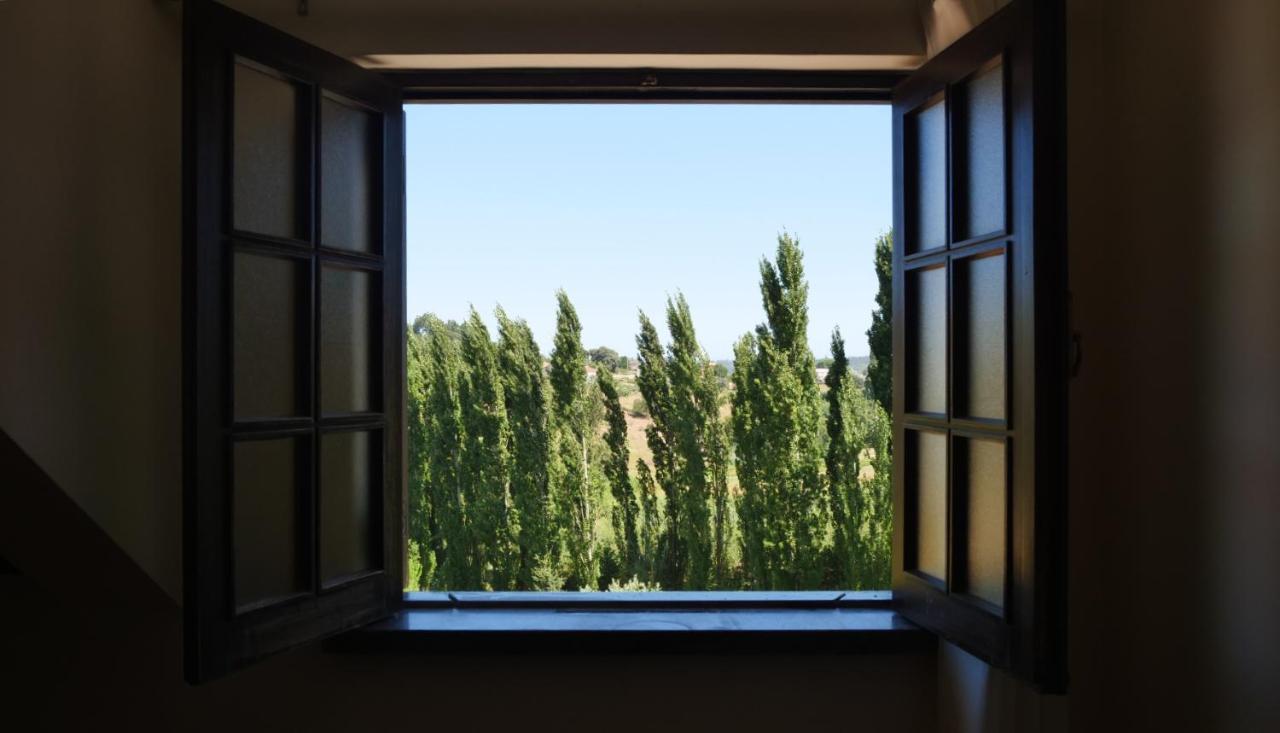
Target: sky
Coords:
[[623, 205]]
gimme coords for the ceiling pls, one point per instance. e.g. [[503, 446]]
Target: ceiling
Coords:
[[783, 34]]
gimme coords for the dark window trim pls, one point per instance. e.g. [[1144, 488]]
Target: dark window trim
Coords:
[[662, 621], [698, 86]]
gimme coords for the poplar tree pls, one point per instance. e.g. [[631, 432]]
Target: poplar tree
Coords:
[[493, 525], [421, 517], [858, 478], [444, 434], [655, 387], [573, 435], [880, 335], [651, 530], [874, 515], [842, 468], [777, 423], [701, 451], [617, 471], [526, 390]]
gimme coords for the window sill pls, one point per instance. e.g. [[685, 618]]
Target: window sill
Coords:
[[651, 623]]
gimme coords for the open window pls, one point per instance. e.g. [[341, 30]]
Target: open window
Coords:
[[979, 296], [293, 342], [295, 347]]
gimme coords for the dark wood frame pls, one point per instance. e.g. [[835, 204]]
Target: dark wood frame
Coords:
[[1028, 633], [598, 86], [219, 636], [1035, 647]]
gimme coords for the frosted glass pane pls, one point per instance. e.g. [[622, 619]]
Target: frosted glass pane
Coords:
[[928, 451], [349, 162], [265, 520], [266, 197], [348, 506], [980, 304], [981, 195], [927, 340], [928, 220], [265, 336], [985, 519], [346, 348]]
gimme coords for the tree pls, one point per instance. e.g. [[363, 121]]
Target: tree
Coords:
[[777, 423], [451, 538], [655, 390], [858, 465], [603, 356], [526, 391], [421, 517], [574, 432], [842, 465], [493, 524], [874, 514], [652, 529], [617, 471], [701, 446], [880, 335]]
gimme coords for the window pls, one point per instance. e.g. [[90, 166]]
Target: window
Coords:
[[598, 397], [295, 424]]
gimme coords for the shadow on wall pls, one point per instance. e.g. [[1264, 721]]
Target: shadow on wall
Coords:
[[89, 641], [77, 670], [975, 698]]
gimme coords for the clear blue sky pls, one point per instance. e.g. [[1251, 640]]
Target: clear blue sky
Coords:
[[621, 205]]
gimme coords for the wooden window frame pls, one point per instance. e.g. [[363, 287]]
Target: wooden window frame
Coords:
[[817, 621], [221, 632], [1027, 633]]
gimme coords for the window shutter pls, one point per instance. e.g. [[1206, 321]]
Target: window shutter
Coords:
[[293, 342], [979, 335]]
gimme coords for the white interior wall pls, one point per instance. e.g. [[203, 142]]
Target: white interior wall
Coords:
[[1174, 173], [90, 293]]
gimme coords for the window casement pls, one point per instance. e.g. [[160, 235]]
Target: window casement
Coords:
[[294, 326], [979, 345], [294, 300]]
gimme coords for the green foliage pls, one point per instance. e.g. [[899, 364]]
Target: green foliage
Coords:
[[858, 479], [634, 585], [421, 517], [690, 449], [655, 389], [603, 356], [527, 393], [777, 425], [701, 448], [574, 429], [880, 336], [639, 407], [451, 537], [492, 525], [652, 525], [519, 470], [617, 471]]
